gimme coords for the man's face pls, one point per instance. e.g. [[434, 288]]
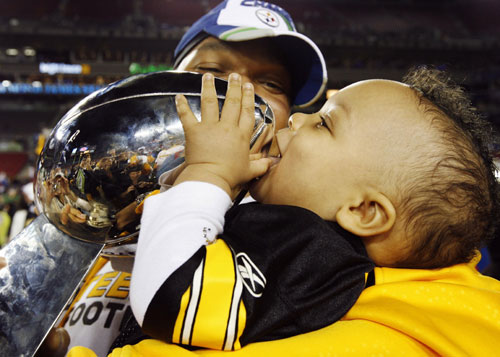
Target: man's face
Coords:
[[256, 61], [360, 135]]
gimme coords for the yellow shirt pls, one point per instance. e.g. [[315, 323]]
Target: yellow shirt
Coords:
[[453, 311], [4, 227]]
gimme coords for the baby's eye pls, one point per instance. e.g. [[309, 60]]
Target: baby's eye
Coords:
[[322, 123]]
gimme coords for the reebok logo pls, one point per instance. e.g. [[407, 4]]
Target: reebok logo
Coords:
[[253, 280]]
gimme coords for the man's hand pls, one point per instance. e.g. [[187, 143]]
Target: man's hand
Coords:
[[126, 215], [55, 344], [218, 151], [74, 214]]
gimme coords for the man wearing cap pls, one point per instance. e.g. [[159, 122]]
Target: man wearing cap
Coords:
[[259, 41]]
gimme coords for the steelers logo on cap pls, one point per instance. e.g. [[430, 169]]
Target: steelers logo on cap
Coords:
[[268, 17]]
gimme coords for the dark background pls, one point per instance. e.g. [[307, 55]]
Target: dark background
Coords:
[[360, 40]]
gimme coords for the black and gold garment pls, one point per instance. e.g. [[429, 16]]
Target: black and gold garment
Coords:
[[275, 272]]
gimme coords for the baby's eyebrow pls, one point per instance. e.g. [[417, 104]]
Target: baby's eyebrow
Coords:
[[343, 107]]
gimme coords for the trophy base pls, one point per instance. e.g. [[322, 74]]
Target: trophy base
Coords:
[[45, 268]]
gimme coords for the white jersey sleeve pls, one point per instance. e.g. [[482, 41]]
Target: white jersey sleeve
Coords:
[[174, 225]]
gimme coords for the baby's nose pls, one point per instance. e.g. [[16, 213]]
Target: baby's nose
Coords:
[[296, 120]]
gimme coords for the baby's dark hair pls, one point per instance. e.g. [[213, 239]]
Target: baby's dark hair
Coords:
[[451, 206]]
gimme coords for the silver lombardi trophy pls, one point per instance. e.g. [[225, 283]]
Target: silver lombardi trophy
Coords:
[[102, 158]]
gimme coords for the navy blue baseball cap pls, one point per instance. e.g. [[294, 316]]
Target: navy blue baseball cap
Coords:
[[244, 20]]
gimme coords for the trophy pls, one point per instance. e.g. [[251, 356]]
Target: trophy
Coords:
[[100, 161]]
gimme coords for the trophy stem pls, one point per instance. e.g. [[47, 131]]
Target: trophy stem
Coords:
[[45, 267]]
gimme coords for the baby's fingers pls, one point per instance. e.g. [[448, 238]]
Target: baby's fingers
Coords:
[[231, 110], [256, 156], [184, 111], [247, 116], [259, 167], [209, 101]]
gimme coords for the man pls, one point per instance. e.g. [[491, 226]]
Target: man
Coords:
[[259, 41]]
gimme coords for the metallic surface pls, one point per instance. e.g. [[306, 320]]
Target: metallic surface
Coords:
[[99, 162], [44, 268], [108, 152]]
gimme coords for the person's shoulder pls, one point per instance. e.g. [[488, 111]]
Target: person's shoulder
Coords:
[[436, 303]]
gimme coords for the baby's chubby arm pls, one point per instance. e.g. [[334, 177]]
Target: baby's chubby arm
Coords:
[[218, 151]]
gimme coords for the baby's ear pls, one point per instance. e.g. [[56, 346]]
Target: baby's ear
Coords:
[[369, 215]]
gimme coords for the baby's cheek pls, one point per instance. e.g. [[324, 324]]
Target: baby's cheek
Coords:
[[259, 189]]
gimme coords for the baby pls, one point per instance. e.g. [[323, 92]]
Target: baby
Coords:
[[386, 173]]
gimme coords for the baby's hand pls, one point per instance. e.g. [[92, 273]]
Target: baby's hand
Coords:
[[218, 151]]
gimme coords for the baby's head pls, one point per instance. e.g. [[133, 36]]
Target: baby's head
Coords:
[[403, 166]]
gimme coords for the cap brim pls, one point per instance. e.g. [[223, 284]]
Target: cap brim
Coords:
[[307, 67]]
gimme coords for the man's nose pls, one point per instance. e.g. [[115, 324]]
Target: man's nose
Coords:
[[246, 79]]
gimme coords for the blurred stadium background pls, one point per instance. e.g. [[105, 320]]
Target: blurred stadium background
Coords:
[[55, 52]]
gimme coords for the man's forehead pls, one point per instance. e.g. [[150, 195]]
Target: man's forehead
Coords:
[[212, 44], [263, 47]]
